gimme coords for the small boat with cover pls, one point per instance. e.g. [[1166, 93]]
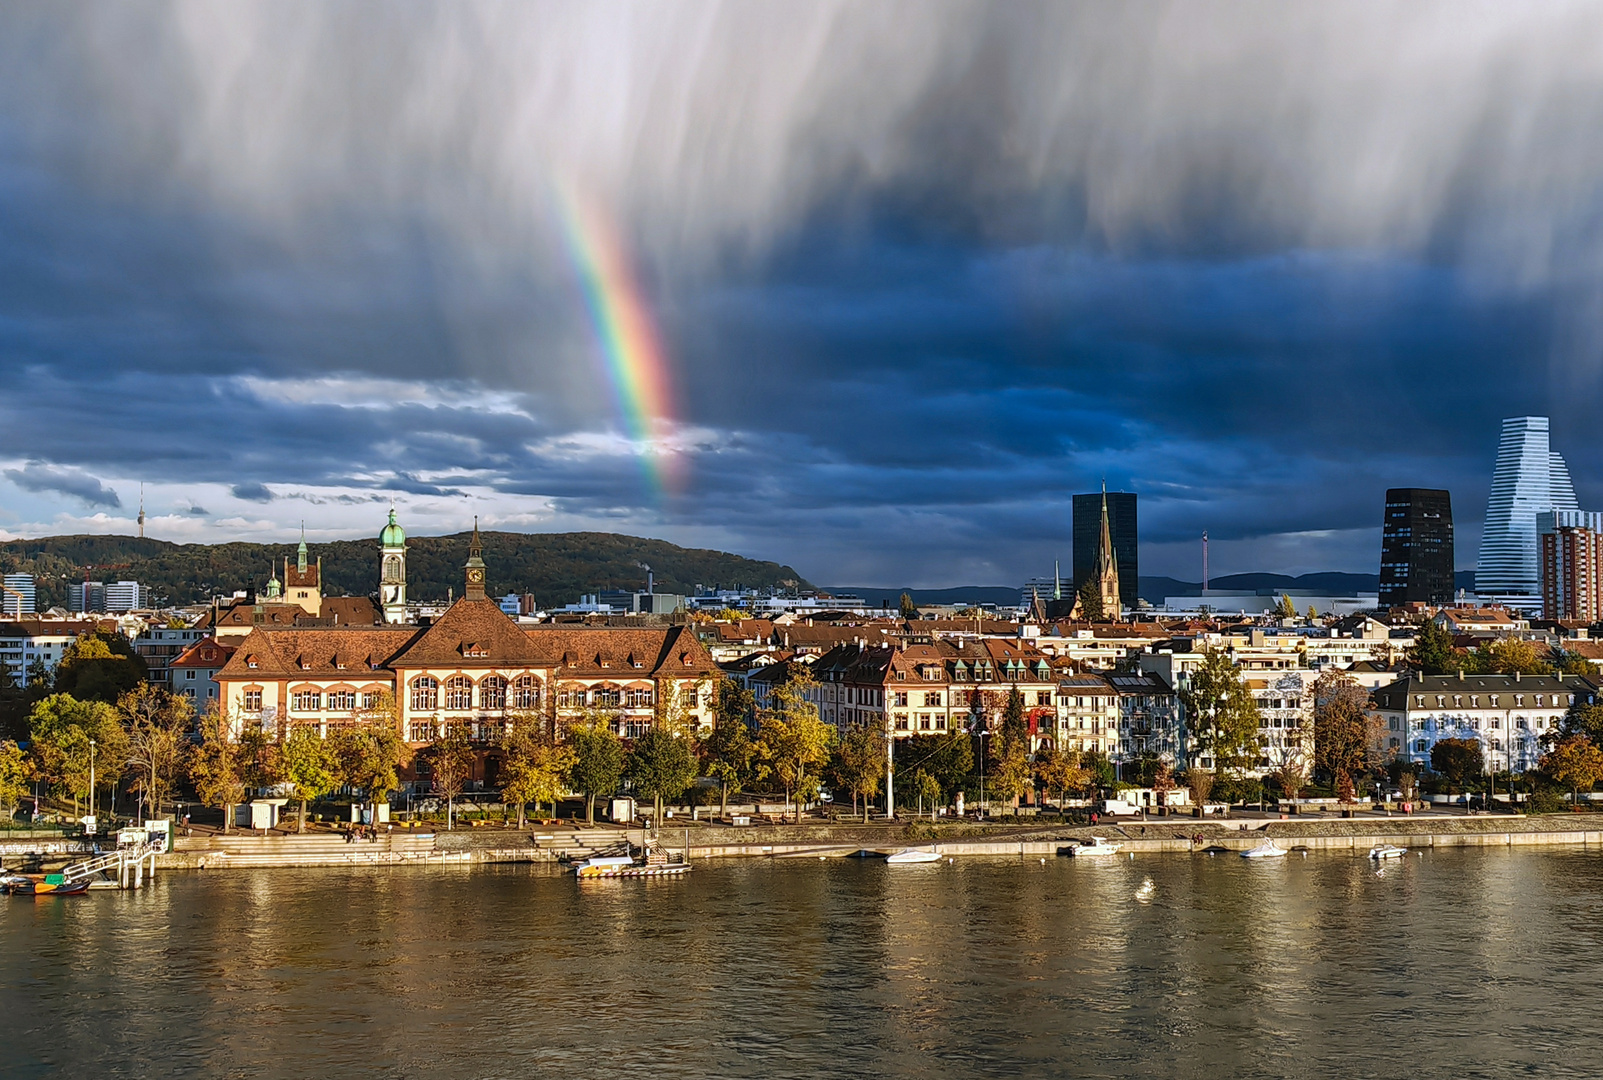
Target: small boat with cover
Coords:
[[914, 855], [1265, 850]]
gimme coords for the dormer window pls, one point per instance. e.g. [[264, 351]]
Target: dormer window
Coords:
[[250, 661], [474, 649]]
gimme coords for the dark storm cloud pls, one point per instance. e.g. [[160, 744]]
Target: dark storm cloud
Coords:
[[40, 476], [253, 492], [923, 270]]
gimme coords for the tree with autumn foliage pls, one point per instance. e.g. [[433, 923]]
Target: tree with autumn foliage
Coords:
[[1347, 730], [1575, 762]]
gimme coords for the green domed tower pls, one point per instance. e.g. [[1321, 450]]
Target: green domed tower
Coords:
[[392, 571]]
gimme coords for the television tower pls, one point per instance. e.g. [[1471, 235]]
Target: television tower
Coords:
[[141, 511], [1205, 560]]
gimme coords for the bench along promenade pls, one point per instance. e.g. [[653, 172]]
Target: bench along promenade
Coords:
[[548, 843]]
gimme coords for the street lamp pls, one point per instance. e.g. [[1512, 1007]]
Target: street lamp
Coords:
[[92, 779]]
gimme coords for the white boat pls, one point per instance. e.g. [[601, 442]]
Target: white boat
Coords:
[[1098, 846], [1265, 850], [1387, 851], [914, 855]]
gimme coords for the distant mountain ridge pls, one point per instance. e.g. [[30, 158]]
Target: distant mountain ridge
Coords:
[[556, 567], [1153, 589]]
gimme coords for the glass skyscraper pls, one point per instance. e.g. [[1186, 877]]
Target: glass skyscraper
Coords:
[[1529, 479]]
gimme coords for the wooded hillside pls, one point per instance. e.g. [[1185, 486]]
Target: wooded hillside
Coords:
[[556, 567]]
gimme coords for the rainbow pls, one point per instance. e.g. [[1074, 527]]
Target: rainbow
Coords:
[[635, 362]]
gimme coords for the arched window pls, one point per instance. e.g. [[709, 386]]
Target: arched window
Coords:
[[493, 692], [459, 692], [526, 693], [425, 694], [392, 568]]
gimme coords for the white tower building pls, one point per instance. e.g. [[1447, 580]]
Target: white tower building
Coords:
[[1529, 479]]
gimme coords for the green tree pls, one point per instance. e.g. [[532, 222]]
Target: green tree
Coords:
[[1288, 610], [729, 750], [926, 790], [371, 751], [1583, 719], [792, 741], [1221, 713], [1009, 774], [1433, 652], [309, 766], [533, 764], [661, 765], [72, 740], [258, 757], [1457, 761], [1313, 614], [1091, 600], [1014, 725], [597, 759], [15, 773], [949, 758], [1509, 655], [450, 759], [1576, 763], [99, 667], [859, 763], [1062, 773], [909, 610], [158, 724], [216, 766]]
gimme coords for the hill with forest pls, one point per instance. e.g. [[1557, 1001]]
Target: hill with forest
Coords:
[[556, 567]]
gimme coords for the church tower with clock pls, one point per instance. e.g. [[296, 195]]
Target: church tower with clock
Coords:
[[474, 589]]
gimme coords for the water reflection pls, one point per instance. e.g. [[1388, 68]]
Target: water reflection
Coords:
[[1474, 962]]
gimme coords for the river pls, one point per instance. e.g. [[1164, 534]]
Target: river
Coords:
[[1458, 963]]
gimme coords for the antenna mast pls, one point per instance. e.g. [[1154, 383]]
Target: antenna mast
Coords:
[[1205, 560]]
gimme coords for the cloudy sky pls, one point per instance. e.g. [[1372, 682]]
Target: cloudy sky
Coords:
[[919, 271]]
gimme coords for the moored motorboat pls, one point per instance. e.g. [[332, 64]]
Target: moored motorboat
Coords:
[[1098, 845], [49, 885], [1387, 851], [1265, 850], [914, 855]]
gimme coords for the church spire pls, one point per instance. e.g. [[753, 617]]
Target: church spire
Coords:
[[1107, 565], [475, 566], [300, 552]]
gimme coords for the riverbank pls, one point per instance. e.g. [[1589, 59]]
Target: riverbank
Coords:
[[832, 840]]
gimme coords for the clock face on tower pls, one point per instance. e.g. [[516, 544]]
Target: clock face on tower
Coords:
[[475, 576]]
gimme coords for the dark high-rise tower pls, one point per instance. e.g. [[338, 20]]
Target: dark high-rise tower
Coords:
[[1121, 529], [1416, 547]]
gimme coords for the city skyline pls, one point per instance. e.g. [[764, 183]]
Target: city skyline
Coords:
[[882, 326]]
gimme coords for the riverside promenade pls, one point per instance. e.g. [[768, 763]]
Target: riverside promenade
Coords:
[[547, 843]]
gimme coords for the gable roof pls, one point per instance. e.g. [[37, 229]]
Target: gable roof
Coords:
[[628, 652], [477, 631], [205, 653], [313, 651]]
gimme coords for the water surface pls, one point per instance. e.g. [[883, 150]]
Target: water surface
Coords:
[[1470, 964]]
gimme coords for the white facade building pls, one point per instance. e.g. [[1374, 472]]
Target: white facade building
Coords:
[[18, 597], [1506, 714], [127, 596]]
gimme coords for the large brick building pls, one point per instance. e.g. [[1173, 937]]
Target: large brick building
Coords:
[[474, 665]]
